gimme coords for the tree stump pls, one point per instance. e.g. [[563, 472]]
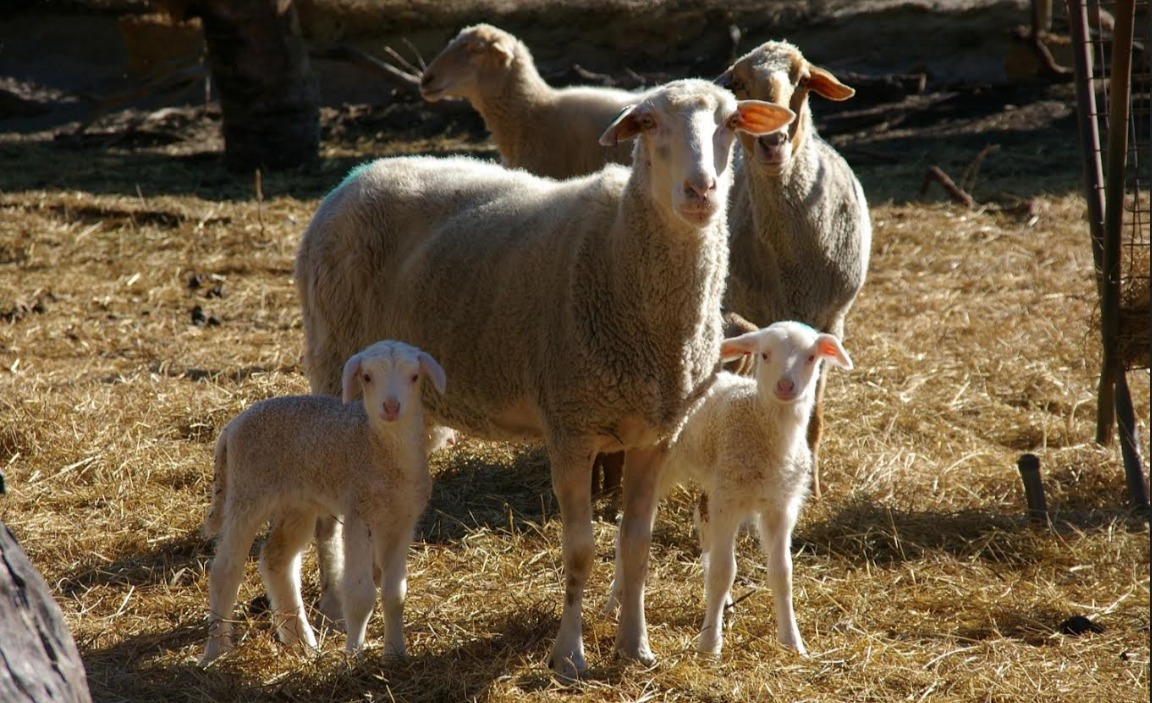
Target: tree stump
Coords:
[[39, 661]]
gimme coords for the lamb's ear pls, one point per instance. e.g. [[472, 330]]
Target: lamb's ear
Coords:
[[822, 82], [759, 117], [433, 371], [735, 347], [349, 384], [501, 48], [828, 347], [624, 126]]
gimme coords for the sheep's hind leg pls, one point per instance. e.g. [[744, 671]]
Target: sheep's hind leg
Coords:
[[330, 561], [224, 577], [280, 566]]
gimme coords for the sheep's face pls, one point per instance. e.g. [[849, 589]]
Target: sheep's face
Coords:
[[390, 374], [778, 73], [477, 56], [686, 131], [787, 359]]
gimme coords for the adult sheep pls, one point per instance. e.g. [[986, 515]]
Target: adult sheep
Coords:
[[579, 312], [801, 235], [543, 130]]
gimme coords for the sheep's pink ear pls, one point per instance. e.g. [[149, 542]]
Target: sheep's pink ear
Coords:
[[735, 347], [824, 83], [624, 126], [828, 347], [759, 117], [433, 371], [351, 370]]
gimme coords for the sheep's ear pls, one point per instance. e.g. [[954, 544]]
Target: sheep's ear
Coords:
[[828, 347], [823, 83], [624, 126], [759, 117], [349, 384], [433, 371], [735, 347]]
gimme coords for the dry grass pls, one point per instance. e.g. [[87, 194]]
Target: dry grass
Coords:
[[917, 577]]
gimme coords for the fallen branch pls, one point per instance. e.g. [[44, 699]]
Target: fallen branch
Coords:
[[950, 187], [968, 178], [399, 78]]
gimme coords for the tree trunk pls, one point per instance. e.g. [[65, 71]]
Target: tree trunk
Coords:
[[260, 67], [39, 662]]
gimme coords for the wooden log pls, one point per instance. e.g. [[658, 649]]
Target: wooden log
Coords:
[[39, 662]]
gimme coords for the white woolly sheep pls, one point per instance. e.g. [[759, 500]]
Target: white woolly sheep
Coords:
[[801, 235], [295, 458], [543, 130], [579, 312], [746, 447]]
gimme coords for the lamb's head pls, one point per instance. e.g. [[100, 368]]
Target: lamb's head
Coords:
[[685, 131], [778, 73], [475, 62], [390, 376], [788, 357]]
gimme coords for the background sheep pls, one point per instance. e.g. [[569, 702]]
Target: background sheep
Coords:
[[541, 129], [746, 446], [801, 234], [603, 346], [294, 458]]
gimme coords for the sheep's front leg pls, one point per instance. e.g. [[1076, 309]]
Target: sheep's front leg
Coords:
[[718, 576], [571, 481], [392, 554], [641, 483], [330, 561], [280, 568], [359, 589], [775, 539]]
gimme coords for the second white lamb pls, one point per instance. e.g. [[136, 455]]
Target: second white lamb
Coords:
[[746, 447]]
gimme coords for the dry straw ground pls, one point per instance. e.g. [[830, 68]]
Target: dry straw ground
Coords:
[[917, 577]]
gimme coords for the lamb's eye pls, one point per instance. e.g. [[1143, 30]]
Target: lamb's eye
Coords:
[[646, 122], [764, 356], [415, 377], [811, 358], [367, 378], [803, 82], [737, 86]]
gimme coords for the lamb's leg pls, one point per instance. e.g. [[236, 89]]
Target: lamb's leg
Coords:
[[224, 577], [280, 567], [776, 539], [641, 494], [392, 555], [816, 429], [571, 481], [718, 576], [704, 529], [330, 561], [359, 588], [612, 605]]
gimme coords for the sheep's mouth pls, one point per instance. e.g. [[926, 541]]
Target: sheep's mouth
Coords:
[[698, 211], [773, 149], [431, 94]]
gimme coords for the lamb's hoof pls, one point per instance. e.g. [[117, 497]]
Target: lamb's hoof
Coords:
[[638, 652], [709, 644], [212, 652]]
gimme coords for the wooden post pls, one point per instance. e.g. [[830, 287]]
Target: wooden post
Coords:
[[39, 662], [1029, 465]]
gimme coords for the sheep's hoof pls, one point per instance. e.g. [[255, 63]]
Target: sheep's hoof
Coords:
[[638, 652], [710, 644], [567, 669], [214, 649]]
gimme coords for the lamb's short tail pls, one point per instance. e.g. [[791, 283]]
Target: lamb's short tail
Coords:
[[215, 519]]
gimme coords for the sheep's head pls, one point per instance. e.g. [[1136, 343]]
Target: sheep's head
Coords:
[[787, 357], [389, 374], [777, 72], [476, 57], [686, 129]]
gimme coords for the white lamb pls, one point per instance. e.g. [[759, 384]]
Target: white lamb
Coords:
[[543, 130], [579, 312], [801, 235], [746, 447], [295, 458]]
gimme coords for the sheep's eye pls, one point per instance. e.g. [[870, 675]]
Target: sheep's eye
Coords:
[[646, 122], [477, 47], [367, 378], [415, 377], [803, 82], [811, 358], [764, 356]]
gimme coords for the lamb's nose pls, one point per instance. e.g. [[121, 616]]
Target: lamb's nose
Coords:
[[391, 409], [785, 387], [700, 187]]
